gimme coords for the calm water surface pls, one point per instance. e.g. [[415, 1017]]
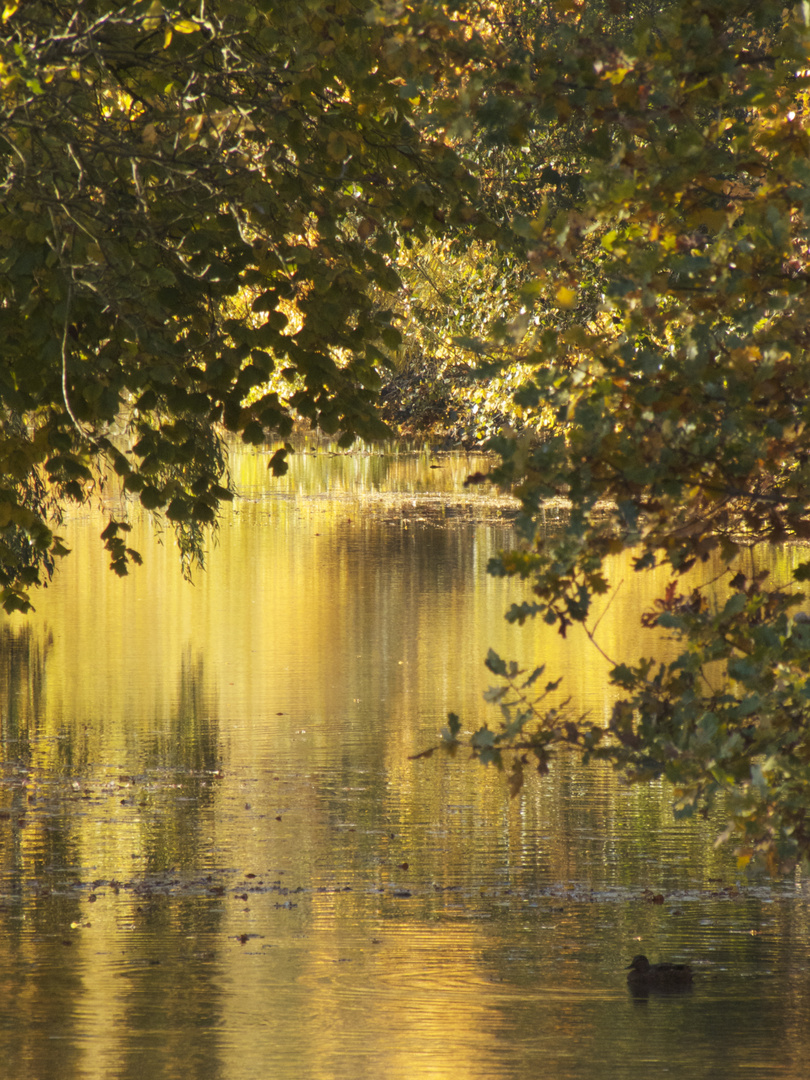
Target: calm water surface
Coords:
[[218, 863]]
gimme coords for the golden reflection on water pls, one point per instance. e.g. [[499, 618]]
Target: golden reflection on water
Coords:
[[217, 860]]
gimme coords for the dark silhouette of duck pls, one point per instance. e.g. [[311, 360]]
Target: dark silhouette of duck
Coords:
[[643, 977]]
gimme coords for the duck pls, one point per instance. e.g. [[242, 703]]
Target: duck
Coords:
[[642, 976]]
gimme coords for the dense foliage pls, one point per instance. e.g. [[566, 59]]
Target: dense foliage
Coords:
[[668, 397], [165, 170], [600, 211]]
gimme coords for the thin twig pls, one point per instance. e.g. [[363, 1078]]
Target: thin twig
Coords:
[[607, 606], [599, 648]]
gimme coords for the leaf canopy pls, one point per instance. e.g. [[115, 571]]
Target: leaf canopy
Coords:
[[192, 203]]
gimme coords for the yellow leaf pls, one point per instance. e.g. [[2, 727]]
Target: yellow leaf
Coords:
[[747, 355], [194, 126], [566, 298], [167, 37], [185, 26], [9, 10], [154, 17]]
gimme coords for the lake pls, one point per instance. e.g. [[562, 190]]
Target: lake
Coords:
[[217, 861]]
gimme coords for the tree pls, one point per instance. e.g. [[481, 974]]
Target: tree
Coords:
[[202, 207], [199, 204], [668, 397]]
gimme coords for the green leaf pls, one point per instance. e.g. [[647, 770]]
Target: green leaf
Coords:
[[535, 675], [495, 664], [483, 738]]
